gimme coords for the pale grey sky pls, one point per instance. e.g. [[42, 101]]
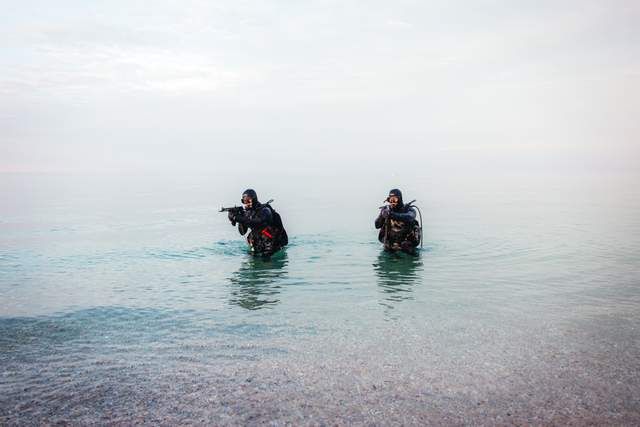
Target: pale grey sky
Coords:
[[190, 86]]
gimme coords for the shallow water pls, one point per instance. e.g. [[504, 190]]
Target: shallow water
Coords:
[[135, 301]]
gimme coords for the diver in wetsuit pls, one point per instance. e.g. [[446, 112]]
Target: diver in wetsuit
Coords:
[[267, 233], [399, 229]]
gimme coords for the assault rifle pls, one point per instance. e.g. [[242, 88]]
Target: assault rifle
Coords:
[[237, 210]]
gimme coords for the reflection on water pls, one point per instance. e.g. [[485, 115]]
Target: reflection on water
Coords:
[[397, 274], [256, 284]]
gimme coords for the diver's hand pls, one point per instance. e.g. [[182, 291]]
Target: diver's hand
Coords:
[[384, 212], [232, 216], [241, 218]]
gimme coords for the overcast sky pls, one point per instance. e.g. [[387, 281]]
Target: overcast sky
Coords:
[[195, 86]]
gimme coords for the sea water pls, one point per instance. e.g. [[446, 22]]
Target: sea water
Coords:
[[132, 300]]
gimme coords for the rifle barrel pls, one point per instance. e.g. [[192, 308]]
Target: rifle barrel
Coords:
[[235, 208]]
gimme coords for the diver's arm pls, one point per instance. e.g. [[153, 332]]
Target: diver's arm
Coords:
[[242, 229], [408, 216], [384, 214]]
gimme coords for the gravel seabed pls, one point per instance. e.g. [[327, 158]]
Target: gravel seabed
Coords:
[[584, 373]]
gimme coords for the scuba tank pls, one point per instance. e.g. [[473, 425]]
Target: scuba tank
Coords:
[[420, 223]]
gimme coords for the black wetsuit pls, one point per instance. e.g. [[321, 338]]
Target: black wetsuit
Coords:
[[399, 230], [267, 234]]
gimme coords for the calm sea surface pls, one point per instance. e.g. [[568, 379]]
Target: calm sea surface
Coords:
[[133, 300]]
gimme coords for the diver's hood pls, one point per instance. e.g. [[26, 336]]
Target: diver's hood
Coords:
[[252, 195], [398, 194]]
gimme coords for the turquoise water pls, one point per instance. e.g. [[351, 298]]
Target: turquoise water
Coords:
[[133, 300]]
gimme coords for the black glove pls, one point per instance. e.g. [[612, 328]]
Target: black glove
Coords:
[[384, 212], [241, 218], [232, 216]]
